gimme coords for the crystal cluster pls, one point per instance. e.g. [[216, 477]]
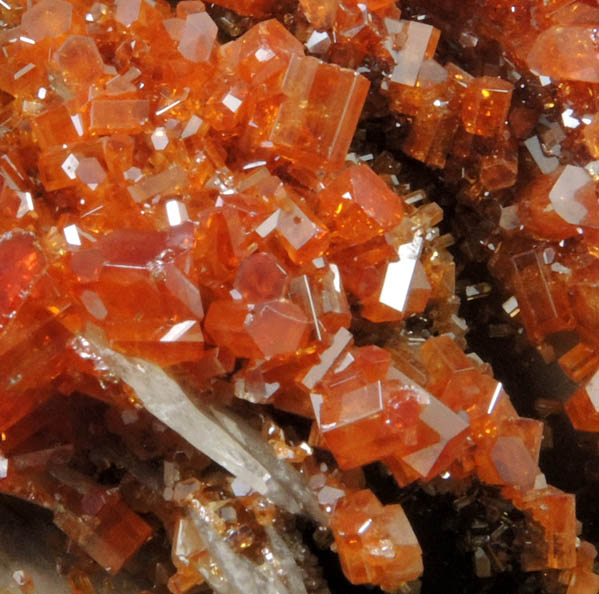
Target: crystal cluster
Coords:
[[187, 243]]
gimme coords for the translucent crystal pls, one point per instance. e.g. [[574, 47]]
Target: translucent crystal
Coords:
[[260, 278], [514, 463], [89, 171], [237, 573], [319, 113], [573, 196], [48, 18], [79, 60], [22, 265], [167, 182], [127, 11], [542, 300], [419, 41], [55, 127], [225, 439], [321, 14], [388, 553], [119, 115], [485, 105], [198, 37], [358, 205], [566, 52], [341, 339]]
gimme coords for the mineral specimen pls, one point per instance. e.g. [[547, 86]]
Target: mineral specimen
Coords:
[[225, 290]]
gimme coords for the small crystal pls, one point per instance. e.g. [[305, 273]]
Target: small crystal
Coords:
[[198, 38], [127, 11], [566, 52], [119, 115], [160, 138], [545, 164], [48, 18], [420, 43], [401, 276], [568, 195], [79, 60], [485, 105], [90, 172]]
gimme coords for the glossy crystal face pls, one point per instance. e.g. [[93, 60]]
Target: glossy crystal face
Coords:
[[217, 215]]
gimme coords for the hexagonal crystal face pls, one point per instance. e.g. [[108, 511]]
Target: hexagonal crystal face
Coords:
[[48, 19], [159, 139]]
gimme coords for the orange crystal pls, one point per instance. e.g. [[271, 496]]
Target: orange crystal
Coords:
[[123, 116], [79, 61], [485, 105], [583, 406], [554, 511], [579, 362], [178, 173], [376, 543], [358, 205], [198, 37], [56, 127], [442, 358], [321, 105], [257, 331], [566, 52], [48, 18], [22, 264], [391, 414]]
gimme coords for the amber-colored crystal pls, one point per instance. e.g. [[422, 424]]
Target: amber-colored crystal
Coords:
[[485, 105], [375, 542], [554, 511], [579, 362], [321, 104], [358, 206], [565, 52]]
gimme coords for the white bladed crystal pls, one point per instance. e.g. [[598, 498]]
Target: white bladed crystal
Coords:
[[237, 573], [285, 484], [285, 562], [217, 433]]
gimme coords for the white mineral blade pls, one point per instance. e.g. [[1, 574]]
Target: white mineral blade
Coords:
[[285, 484], [286, 562], [237, 574], [224, 438], [165, 399]]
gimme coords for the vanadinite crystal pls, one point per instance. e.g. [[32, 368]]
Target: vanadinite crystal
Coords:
[[225, 287]]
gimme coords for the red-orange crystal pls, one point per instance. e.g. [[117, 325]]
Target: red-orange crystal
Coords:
[[177, 198]]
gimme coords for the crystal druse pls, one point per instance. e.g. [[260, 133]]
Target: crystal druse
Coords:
[[193, 252]]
